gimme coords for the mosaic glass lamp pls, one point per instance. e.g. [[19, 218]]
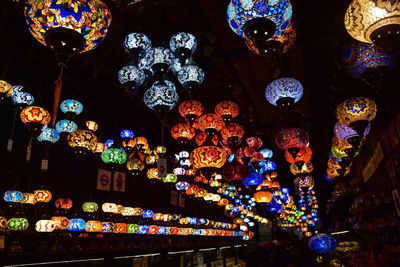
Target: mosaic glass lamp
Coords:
[[114, 156], [49, 135], [68, 27], [210, 124], [137, 44], [377, 22], [284, 92], [71, 107], [183, 132], [66, 126], [35, 118], [82, 141], [190, 76], [161, 96], [6, 89], [131, 76], [159, 59], [227, 110], [191, 109], [183, 44]]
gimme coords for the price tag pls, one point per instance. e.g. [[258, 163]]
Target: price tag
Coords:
[[10, 145], [45, 164]]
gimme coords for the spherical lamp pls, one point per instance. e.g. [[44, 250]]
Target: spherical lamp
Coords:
[[183, 44], [34, 118], [190, 76], [6, 89], [292, 139], [284, 92], [137, 44], [227, 110], [71, 107], [208, 158], [131, 77], [356, 112], [183, 132], [375, 22], [191, 109], [66, 126], [82, 141], [49, 135], [114, 156], [161, 96], [210, 124], [67, 27], [232, 132], [160, 59]]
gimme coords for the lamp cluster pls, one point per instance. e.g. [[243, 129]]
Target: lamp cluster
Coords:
[[148, 61]]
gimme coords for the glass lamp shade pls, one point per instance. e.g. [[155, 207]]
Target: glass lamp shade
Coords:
[[114, 155], [100, 147], [202, 192], [210, 123], [60, 222], [82, 141], [179, 171], [233, 132], [131, 76], [284, 92], [20, 98], [263, 197], [93, 226], [143, 230], [254, 142], [35, 118], [71, 106], [304, 155], [137, 212], [183, 44], [191, 109], [135, 165], [148, 214], [161, 96], [120, 228], [201, 138], [90, 207], [267, 166], [182, 185], [307, 167], [44, 226], [374, 21], [28, 198], [107, 227], [366, 61], [42, 196], [159, 59], [133, 228], [127, 134], [68, 27], [322, 243], [6, 89], [92, 125], [128, 211], [240, 12], [63, 203], [179, 64], [153, 173], [277, 44], [227, 110], [254, 179], [235, 172], [137, 43], [170, 178], [66, 126], [344, 132], [76, 225], [13, 196], [109, 207], [267, 153], [306, 182], [192, 190], [17, 224], [49, 135], [356, 112], [208, 157], [190, 76], [291, 137], [183, 132]]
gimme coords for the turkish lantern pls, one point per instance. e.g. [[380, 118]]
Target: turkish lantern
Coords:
[[292, 139], [263, 197], [182, 132], [190, 110], [210, 123], [227, 110], [35, 118], [232, 132]]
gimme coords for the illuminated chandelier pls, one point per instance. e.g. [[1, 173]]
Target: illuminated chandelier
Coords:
[[284, 92], [374, 21], [161, 96]]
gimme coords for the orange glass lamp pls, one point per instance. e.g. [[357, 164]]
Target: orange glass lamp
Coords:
[[232, 132], [28, 198], [210, 124], [227, 110], [208, 159], [141, 143], [6, 89], [120, 228], [306, 168], [92, 126], [99, 148], [263, 197], [192, 190], [64, 203], [153, 174], [42, 196], [190, 110], [93, 226], [60, 222], [183, 132], [304, 154], [35, 118], [82, 141], [356, 112]]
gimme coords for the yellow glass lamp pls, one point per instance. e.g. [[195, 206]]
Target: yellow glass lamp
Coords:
[[5, 89]]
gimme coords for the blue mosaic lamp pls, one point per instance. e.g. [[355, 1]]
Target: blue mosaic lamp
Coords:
[[49, 135], [66, 126], [71, 107]]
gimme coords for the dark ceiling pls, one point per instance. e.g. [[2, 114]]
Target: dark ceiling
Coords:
[[232, 73]]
